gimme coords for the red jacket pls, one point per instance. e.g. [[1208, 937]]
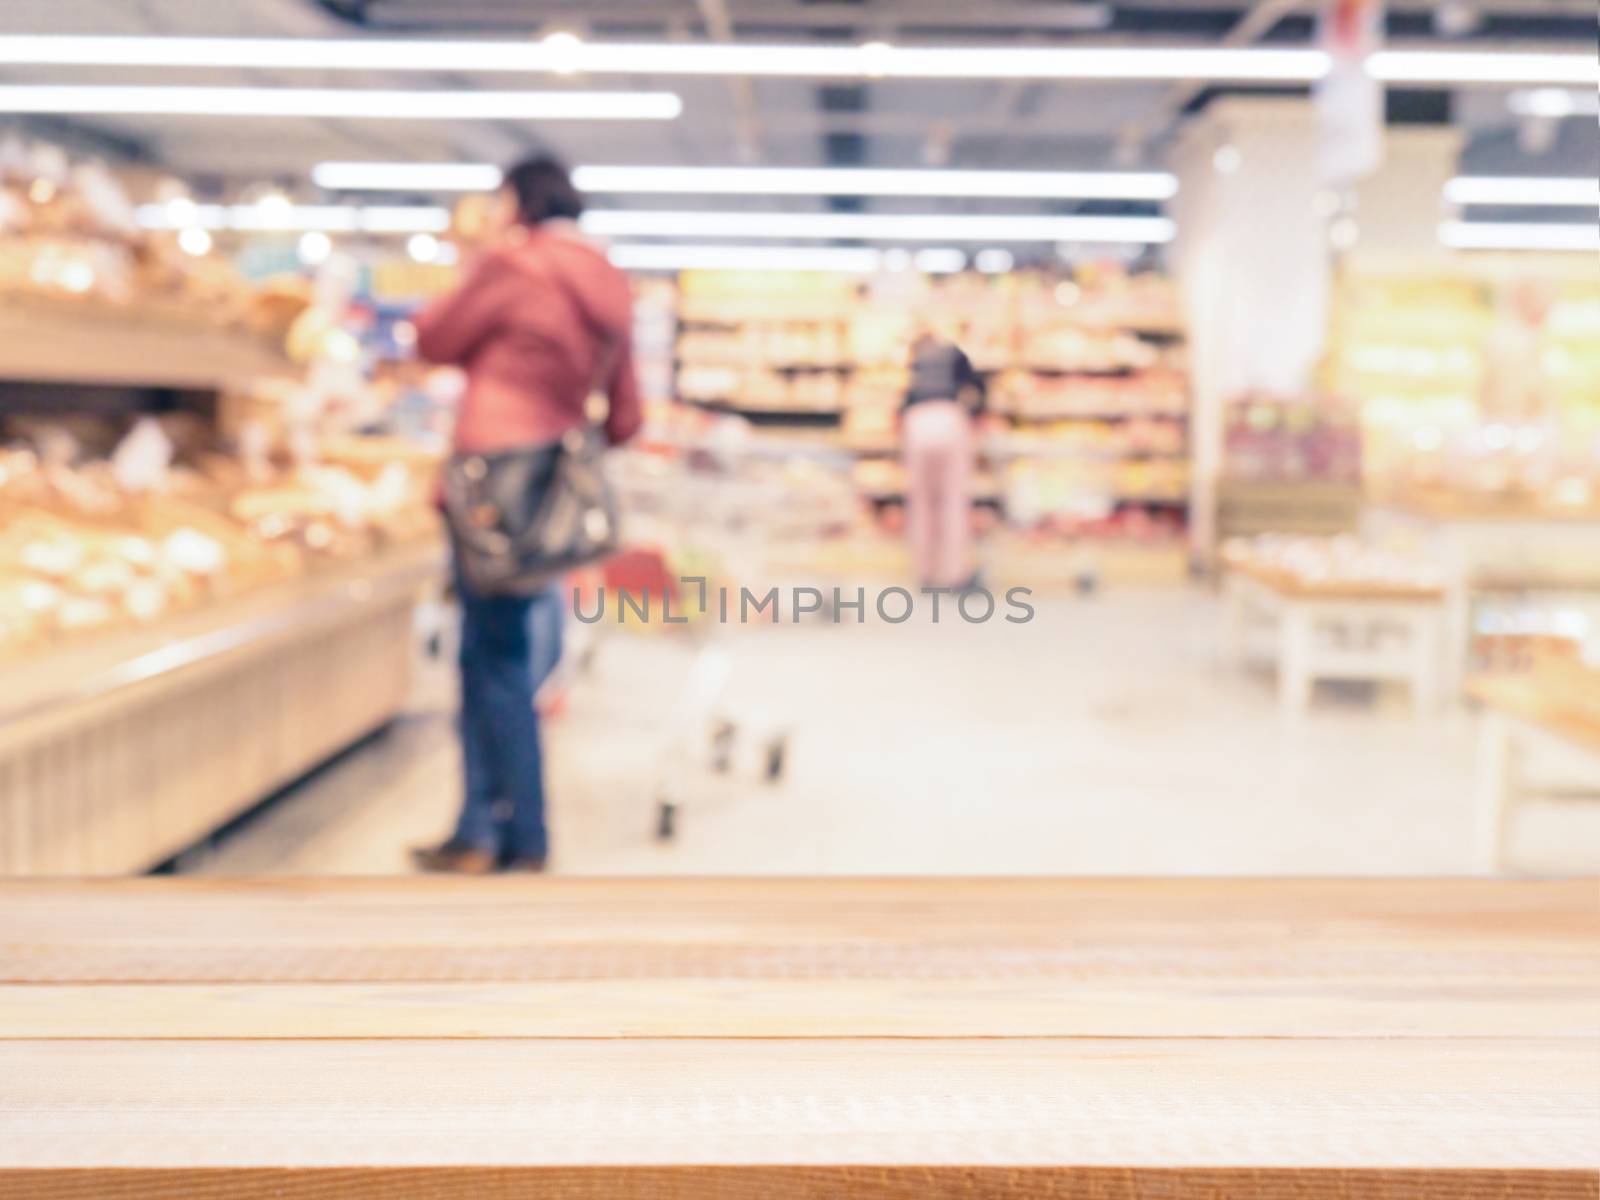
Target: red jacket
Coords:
[[528, 325]]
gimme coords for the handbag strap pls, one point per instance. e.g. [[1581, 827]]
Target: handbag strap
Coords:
[[608, 342]]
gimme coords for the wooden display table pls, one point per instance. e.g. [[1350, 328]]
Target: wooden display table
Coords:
[[1488, 547], [1554, 706], [1337, 630], [530, 1037]]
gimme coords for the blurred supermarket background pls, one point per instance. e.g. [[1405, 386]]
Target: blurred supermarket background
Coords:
[[1289, 316]]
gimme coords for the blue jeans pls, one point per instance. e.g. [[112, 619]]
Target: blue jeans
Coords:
[[508, 645]]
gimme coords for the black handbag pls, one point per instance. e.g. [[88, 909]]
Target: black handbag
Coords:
[[520, 519]]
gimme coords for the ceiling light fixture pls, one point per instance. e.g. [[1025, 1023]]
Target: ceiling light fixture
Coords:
[[938, 260], [315, 247], [1507, 235], [894, 227], [1553, 103], [331, 102], [872, 60], [406, 177], [1515, 190], [422, 247], [564, 46], [1484, 67], [764, 181], [852, 181], [994, 261], [299, 218]]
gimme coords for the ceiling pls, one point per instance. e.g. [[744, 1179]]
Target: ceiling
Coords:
[[787, 122]]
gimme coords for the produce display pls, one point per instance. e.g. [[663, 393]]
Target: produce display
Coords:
[[83, 549], [1308, 439], [1483, 390], [1088, 394]]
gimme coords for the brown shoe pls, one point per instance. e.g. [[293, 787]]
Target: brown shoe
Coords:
[[453, 858]]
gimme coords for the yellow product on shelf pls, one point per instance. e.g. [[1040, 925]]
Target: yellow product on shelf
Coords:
[[878, 339]]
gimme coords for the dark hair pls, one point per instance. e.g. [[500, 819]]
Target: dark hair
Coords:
[[543, 190]]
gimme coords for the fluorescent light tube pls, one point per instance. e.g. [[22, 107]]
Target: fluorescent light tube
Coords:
[[1506, 235], [871, 61], [296, 218], [330, 102], [1483, 67], [764, 181], [1496, 189], [745, 258], [406, 177], [939, 261], [883, 226], [1554, 103], [845, 181]]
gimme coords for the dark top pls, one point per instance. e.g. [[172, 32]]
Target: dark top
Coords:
[[941, 371]]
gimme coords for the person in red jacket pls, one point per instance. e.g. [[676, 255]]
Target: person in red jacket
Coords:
[[541, 318]]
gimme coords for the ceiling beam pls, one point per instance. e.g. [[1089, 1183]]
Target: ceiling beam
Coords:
[[1134, 140]]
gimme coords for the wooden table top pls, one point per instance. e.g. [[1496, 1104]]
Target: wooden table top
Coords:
[[1295, 587], [1566, 704], [737, 1038]]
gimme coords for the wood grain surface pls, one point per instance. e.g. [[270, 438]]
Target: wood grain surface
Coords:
[[896, 1038]]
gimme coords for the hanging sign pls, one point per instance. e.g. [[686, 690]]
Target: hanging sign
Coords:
[[1349, 100]]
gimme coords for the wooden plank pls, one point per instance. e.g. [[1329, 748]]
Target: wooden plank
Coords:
[[798, 1183], [1496, 1104], [1216, 913], [195, 931], [1142, 1006]]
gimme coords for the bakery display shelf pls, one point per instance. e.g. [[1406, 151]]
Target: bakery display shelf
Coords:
[[121, 750], [48, 341]]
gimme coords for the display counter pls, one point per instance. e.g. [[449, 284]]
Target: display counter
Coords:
[[427, 1037], [118, 751], [1488, 547]]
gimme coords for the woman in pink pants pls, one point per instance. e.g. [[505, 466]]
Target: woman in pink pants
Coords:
[[936, 432]]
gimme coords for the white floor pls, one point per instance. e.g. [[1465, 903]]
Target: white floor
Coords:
[[1105, 737]]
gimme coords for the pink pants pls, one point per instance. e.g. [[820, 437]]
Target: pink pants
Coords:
[[937, 440]]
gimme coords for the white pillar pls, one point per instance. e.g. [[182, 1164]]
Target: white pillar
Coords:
[[1252, 262]]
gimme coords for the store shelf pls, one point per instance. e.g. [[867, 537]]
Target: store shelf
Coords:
[[45, 341], [807, 417], [120, 750]]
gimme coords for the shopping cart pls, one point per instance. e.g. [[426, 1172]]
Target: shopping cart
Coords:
[[704, 512]]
